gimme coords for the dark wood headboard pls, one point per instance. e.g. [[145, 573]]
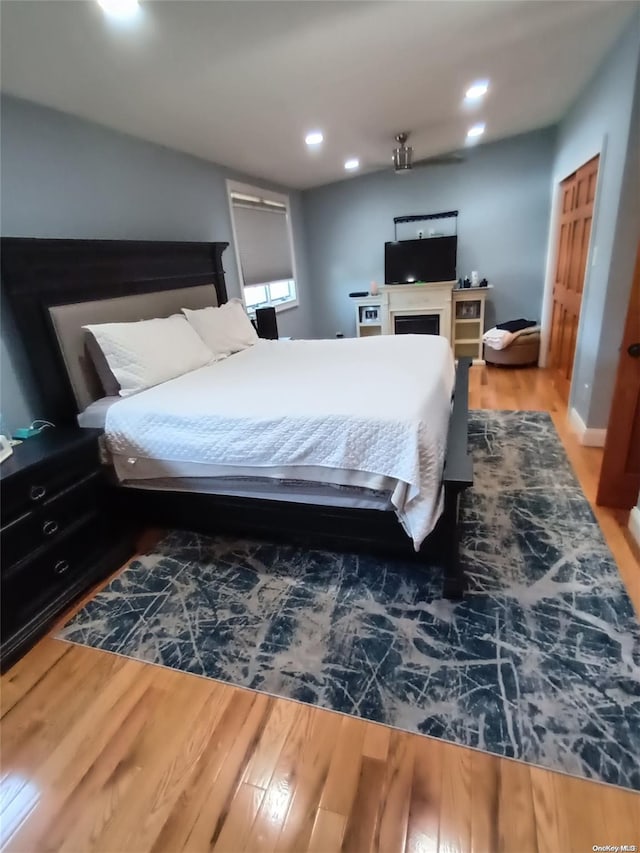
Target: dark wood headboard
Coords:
[[37, 273]]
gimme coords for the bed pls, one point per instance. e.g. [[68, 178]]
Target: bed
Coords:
[[365, 450]]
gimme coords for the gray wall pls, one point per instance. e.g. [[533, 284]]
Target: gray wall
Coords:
[[503, 194], [600, 122], [65, 177]]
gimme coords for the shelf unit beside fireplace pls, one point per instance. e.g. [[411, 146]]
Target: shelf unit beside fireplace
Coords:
[[374, 323], [468, 322]]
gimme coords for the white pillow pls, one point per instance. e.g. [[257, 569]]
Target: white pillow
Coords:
[[149, 352], [224, 330]]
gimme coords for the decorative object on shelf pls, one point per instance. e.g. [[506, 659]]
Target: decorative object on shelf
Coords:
[[468, 310], [374, 288], [475, 278], [466, 282], [358, 294], [484, 283], [370, 314]]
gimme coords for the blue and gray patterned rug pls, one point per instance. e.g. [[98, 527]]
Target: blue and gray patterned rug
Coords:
[[541, 661]]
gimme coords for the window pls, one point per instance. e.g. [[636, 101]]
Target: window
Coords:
[[264, 249]]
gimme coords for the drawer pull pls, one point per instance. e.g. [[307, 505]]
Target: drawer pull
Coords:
[[61, 567], [49, 528], [36, 493]]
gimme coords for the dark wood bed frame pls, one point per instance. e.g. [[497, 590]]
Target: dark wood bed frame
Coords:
[[38, 273]]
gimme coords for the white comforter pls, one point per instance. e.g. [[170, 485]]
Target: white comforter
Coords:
[[379, 405]]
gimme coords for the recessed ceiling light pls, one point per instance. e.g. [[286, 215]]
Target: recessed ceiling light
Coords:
[[314, 138], [476, 130], [119, 8], [477, 90], [352, 164]]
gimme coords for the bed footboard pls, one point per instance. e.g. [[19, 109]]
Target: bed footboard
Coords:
[[458, 476]]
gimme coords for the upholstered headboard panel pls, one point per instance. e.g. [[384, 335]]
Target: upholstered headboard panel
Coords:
[[68, 321], [56, 286]]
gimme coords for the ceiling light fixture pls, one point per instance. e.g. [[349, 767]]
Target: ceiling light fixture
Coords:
[[119, 8], [477, 90], [352, 164], [314, 138], [476, 130], [403, 154]]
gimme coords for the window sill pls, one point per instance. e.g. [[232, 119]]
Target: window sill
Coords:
[[285, 306], [279, 306]]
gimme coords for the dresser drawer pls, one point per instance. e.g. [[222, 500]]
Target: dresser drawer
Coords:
[[51, 568], [50, 520], [32, 487]]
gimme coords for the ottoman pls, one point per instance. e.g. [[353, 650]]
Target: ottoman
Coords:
[[522, 352]]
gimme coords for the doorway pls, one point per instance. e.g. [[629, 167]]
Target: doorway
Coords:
[[577, 194]]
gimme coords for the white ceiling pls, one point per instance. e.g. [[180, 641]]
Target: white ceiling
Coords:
[[240, 83]]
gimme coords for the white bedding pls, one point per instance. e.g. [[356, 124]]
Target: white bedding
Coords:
[[377, 406], [501, 339]]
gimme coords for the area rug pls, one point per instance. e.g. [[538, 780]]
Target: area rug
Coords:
[[540, 662]]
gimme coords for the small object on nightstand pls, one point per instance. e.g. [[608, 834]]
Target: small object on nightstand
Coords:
[[58, 535]]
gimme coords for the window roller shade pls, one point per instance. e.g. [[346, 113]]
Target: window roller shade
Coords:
[[263, 244]]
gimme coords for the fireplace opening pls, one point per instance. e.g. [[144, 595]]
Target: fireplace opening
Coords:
[[417, 324]]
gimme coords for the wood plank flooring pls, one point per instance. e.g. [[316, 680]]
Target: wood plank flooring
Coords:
[[102, 753]]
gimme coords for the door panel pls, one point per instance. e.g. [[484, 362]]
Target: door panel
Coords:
[[620, 474], [574, 232]]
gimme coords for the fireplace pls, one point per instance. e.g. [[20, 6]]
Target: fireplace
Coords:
[[416, 324]]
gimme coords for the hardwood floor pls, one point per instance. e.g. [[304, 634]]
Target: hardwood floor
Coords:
[[104, 753]]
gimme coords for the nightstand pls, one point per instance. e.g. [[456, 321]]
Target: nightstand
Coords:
[[58, 535]]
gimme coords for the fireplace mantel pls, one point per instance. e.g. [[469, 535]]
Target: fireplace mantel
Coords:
[[460, 312], [402, 300]]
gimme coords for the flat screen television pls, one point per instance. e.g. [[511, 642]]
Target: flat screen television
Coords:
[[429, 259]]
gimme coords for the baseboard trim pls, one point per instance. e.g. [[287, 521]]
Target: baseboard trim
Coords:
[[634, 524], [587, 436]]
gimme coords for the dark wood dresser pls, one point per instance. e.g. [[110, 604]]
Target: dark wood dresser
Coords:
[[58, 534]]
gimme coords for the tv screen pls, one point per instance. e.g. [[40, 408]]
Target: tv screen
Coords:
[[429, 259]]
